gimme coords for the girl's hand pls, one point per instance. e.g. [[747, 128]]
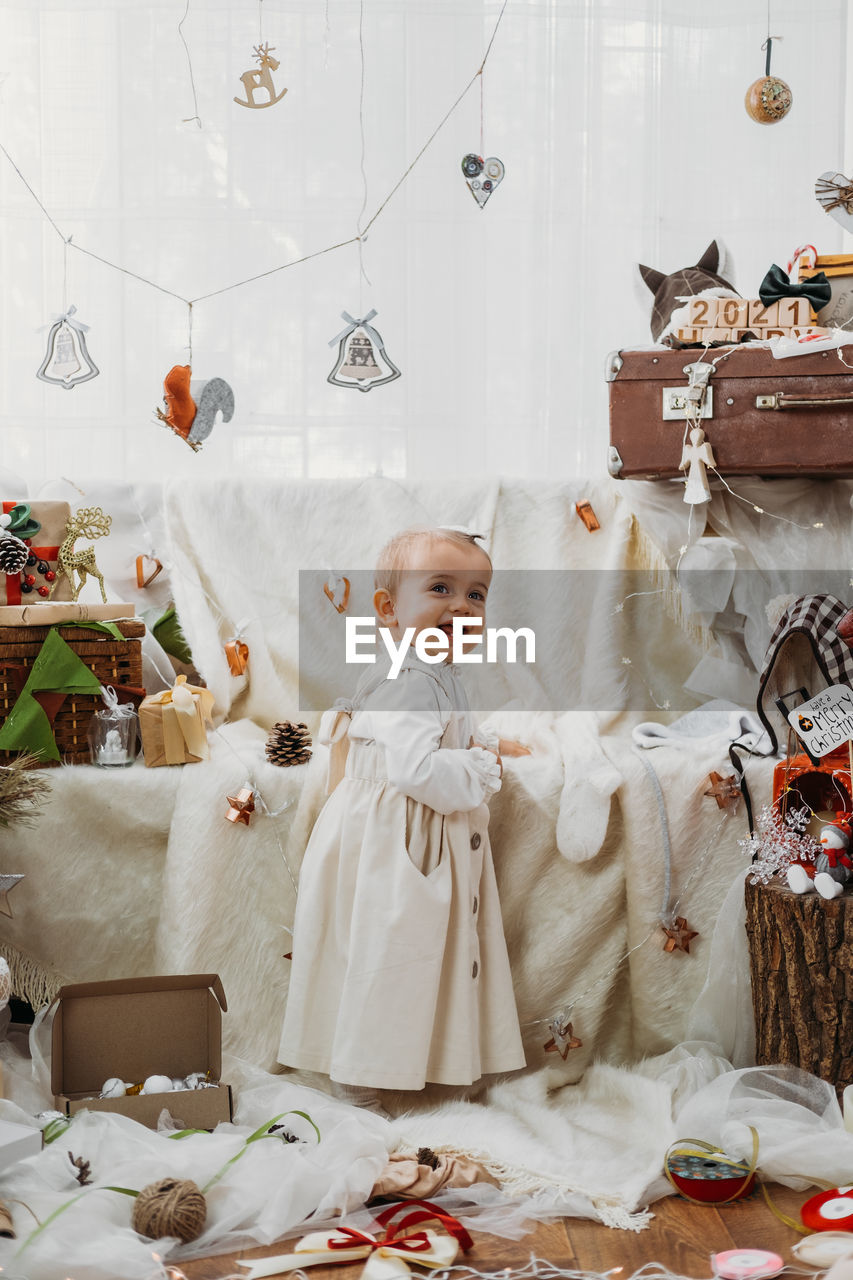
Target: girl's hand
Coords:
[[509, 747]]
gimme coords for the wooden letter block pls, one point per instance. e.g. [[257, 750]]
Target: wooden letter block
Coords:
[[702, 312], [795, 312], [717, 335], [733, 313], [690, 335], [761, 317], [775, 333]]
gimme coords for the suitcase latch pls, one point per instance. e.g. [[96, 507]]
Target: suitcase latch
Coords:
[[696, 400]]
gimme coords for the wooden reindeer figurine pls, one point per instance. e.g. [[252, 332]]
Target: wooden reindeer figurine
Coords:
[[88, 522]]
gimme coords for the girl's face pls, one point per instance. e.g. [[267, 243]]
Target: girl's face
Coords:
[[430, 597]]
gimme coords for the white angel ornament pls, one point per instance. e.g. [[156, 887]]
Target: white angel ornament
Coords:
[[697, 456]]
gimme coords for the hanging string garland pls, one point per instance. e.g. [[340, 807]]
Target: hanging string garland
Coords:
[[67, 361]]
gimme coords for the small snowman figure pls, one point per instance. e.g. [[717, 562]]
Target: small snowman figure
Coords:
[[833, 865]]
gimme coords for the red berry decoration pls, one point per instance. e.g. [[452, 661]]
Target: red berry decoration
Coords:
[[30, 579], [44, 591], [50, 575]]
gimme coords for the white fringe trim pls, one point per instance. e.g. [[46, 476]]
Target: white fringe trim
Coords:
[[31, 981], [521, 1180]]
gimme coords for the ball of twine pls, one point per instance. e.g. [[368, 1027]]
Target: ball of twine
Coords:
[[170, 1208]]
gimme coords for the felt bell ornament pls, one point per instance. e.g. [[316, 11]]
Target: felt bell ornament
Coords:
[[768, 99], [362, 360], [67, 361]]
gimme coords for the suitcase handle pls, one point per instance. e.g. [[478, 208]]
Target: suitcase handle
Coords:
[[778, 400]]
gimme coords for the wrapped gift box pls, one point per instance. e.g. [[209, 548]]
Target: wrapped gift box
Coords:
[[44, 552], [172, 725]]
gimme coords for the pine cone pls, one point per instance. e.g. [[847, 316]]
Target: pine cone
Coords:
[[13, 554], [289, 744]]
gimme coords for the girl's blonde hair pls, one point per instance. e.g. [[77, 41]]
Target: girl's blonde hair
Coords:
[[394, 556]]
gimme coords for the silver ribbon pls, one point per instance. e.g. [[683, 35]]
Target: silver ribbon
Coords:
[[359, 324], [66, 317]]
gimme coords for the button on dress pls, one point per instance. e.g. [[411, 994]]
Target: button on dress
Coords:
[[400, 974]]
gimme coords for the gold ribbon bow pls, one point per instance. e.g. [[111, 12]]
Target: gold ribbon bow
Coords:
[[187, 708]]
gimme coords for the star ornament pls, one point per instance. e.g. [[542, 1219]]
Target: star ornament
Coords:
[[241, 806], [7, 884], [678, 935], [724, 790], [562, 1038]]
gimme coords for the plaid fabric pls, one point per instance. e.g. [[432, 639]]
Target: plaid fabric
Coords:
[[816, 618]]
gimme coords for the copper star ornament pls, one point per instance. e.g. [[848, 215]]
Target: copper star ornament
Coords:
[[724, 790], [7, 884], [562, 1038], [678, 935], [242, 806]]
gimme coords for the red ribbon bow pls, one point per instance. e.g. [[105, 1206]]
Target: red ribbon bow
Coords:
[[416, 1242]]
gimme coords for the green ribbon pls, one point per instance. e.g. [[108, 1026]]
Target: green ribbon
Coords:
[[57, 669], [22, 525]]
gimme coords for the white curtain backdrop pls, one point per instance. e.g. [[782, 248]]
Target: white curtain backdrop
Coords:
[[622, 127]]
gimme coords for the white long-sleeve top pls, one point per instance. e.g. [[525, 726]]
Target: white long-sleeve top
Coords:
[[408, 718]]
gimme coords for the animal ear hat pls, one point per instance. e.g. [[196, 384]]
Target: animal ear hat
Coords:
[[686, 282]]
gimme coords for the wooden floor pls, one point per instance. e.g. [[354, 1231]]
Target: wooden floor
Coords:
[[682, 1237]]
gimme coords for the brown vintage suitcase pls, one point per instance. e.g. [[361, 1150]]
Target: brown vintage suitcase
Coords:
[[761, 416]]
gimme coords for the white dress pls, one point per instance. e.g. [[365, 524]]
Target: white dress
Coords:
[[400, 972]]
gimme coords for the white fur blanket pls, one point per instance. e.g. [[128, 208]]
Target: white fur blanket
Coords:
[[139, 873]]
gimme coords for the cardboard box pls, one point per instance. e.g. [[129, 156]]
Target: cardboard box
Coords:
[[17, 1142], [136, 1027], [47, 614]]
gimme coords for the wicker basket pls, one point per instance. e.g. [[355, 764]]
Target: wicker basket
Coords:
[[114, 662]]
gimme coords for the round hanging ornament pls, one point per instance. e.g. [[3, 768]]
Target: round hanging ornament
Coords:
[[768, 99]]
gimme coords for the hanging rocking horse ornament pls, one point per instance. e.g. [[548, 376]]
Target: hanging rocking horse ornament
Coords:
[[261, 80], [362, 360]]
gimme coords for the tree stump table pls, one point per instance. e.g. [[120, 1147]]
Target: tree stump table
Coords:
[[801, 963]]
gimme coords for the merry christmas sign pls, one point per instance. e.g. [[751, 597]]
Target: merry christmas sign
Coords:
[[826, 721]]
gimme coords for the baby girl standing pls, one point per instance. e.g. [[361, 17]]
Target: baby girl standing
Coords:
[[400, 972]]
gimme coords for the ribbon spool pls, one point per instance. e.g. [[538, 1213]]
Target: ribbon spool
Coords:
[[705, 1175], [830, 1210], [747, 1264]]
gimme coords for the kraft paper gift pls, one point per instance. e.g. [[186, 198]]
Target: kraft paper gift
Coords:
[[43, 525], [173, 723]]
